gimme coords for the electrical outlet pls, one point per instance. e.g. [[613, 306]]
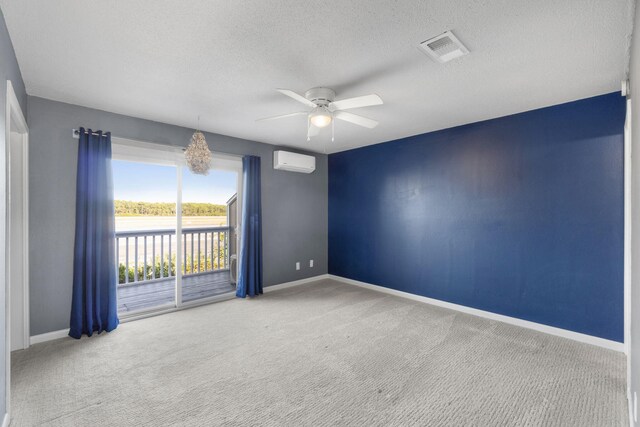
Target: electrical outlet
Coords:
[[310, 263], [297, 265]]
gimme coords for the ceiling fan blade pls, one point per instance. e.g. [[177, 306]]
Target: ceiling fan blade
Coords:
[[297, 97], [357, 102], [355, 119], [282, 116]]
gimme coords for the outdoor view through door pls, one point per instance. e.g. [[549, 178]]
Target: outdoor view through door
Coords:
[[206, 205], [167, 257]]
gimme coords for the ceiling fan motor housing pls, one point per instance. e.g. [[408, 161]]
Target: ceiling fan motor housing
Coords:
[[321, 96]]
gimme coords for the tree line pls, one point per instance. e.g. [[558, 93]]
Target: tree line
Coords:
[[130, 208]]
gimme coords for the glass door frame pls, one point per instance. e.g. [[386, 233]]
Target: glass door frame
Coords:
[[167, 155]]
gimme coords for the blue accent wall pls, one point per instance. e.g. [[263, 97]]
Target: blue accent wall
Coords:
[[521, 215]]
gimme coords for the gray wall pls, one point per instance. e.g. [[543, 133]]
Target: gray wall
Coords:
[[9, 70], [634, 77], [294, 206]]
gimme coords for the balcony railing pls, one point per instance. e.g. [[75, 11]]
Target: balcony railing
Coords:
[[147, 255]]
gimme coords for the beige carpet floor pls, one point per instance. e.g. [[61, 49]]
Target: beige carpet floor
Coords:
[[322, 354]]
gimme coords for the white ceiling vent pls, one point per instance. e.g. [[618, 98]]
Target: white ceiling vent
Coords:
[[444, 48]]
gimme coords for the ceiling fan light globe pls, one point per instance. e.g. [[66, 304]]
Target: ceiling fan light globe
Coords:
[[320, 119]]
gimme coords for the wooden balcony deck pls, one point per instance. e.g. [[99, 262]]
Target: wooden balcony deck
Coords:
[[146, 295]]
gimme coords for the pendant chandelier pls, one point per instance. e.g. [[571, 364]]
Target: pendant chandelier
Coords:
[[197, 154]]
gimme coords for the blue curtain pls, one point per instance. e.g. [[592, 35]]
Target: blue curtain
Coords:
[[250, 262], [94, 307]]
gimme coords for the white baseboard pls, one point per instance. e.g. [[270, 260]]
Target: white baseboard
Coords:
[[36, 339], [576, 336], [294, 283], [54, 335]]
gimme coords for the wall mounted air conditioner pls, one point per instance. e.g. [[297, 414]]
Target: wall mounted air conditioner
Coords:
[[286, 161]]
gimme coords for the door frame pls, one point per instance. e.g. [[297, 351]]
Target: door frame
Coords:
[[169, 155], [16, 122], [628, 196]]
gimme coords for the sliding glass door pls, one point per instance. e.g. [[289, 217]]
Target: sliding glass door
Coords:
[[207, 201], [176, 232], [146, 241]]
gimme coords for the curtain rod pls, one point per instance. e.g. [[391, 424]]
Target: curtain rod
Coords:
[[76, 133]]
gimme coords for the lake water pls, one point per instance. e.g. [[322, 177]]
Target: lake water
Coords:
[[132, 223]]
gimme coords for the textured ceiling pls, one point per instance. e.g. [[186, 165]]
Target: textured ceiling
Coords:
[[171, 61]]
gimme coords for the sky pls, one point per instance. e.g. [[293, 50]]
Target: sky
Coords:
[[143, 182]]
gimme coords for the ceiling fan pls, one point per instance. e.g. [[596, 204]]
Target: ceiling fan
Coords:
[[324, 109]]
